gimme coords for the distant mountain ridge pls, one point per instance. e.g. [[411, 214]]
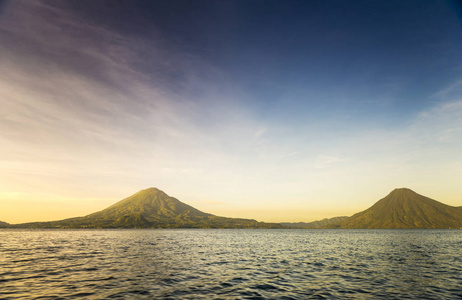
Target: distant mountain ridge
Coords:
[[150, 208], [315, 224], [4, 224], [404, 208]]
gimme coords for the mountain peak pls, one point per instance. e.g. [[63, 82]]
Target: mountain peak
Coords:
[[150, 190], [403, 194], [402, 190], [152, 204], [404, 208], [148, 195]]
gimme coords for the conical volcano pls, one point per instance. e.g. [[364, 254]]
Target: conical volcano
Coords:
[[150, 208], [153, 205], [404, 208]]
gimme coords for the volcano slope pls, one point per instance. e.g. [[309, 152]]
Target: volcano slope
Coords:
[[404, 208], [150, 208]]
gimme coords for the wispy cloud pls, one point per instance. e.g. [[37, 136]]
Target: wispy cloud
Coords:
[[449, 92], [260, 132], [81, 101], [89, 110], [439, 124], [325, 161]]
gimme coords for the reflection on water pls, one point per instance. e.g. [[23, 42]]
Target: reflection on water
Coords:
[[231, 264]]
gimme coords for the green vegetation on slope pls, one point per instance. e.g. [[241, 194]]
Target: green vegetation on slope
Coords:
[[4, 224], [403, 208], [150, 208]]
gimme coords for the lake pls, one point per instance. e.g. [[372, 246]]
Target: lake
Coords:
[[230, 264]]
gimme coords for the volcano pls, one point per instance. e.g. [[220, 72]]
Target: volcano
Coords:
[[404, 208], [150, 208]]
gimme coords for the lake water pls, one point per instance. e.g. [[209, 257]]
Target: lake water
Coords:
[[230, 264]]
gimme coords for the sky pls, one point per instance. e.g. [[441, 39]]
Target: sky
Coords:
[[271, 110]]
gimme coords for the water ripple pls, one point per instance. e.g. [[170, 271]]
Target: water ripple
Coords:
[[230, 264]]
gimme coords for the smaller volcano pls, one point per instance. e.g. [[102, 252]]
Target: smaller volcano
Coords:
[[404, 208]]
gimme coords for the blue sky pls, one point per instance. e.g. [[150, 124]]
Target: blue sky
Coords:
[[273, 110]]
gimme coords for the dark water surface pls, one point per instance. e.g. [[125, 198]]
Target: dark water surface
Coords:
[[231, 264]]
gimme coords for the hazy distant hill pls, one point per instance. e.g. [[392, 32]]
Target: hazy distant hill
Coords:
[[4, 224], [315, 224], [151, 208], [403, 208]]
